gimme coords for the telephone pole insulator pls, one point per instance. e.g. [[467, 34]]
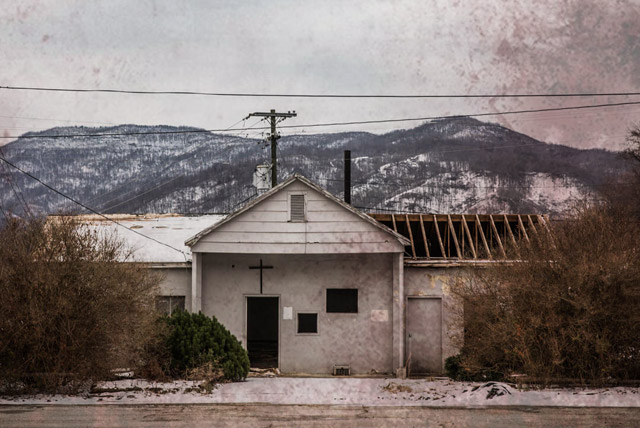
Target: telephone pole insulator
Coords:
[[273, 118]]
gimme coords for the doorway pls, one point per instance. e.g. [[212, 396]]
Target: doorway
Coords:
[[424, 335], [262, 331]]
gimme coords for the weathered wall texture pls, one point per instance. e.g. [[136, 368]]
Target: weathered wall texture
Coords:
[[176, 281], [432, 282], [362, 340]]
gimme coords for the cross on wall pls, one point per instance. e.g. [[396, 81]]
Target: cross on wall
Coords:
[[261, 267]]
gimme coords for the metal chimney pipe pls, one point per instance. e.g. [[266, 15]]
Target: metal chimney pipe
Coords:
[[347, 176]]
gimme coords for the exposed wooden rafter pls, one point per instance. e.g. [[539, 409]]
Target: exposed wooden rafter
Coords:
[[543, 221], [413, 247], [545, 226], [435, 224], [532, 226], [465, 237], [452, 230], [522, 229], [484, 238], [507, 226], [424, 236], [497, 235], [468, 232]]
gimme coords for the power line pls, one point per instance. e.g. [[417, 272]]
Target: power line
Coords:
[[329, 124], [4, 213], [168, 167], [56, 120], [135, 196], [138, 195], [300, 95], [16, 189], [503, 113], [242, 202], [165, 182], [88, 208]]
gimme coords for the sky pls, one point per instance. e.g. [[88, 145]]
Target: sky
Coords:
[[322, 47]]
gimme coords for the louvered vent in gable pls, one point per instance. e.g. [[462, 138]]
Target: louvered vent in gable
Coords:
[[297, 208]]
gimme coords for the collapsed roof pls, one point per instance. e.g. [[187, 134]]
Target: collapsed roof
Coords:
[[447, 238]]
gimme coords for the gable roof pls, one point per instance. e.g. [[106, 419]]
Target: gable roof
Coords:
[[297, 177]]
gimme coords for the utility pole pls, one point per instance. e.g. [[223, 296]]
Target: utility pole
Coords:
[[273, 118]]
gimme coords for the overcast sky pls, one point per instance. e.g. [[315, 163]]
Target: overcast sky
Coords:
[[354, 47]]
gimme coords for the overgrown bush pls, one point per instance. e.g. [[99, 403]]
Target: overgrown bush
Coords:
[[569, 309], [70, 309], [196, 341]]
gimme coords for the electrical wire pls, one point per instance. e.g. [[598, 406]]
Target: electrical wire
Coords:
[[15, 188], [4, 213], [56, 120], [165, 169], [88, 208], [300, 95], [330, 124], [242, 202]]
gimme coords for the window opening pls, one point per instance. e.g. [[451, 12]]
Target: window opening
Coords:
[[342, 300], [169, 304], [307, 323]]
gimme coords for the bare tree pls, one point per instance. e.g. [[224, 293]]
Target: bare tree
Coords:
[[624, 193]]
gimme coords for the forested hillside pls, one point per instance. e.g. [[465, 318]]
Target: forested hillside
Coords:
[[454, 165]]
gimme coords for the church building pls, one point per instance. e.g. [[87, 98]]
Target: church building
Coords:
[[310, 284]]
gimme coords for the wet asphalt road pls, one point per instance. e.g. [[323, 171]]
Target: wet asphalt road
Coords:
[[261, 415]]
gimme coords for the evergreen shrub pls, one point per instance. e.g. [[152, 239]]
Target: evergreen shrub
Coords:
[[196, 340], [455, 369]]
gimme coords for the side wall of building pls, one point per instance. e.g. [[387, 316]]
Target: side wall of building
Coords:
[[434, 282], [176, 281], [362, 340]]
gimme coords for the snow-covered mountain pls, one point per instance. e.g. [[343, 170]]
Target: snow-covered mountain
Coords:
[[453, 165]]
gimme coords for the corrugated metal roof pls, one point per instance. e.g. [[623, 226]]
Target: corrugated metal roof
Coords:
[[171, 229]]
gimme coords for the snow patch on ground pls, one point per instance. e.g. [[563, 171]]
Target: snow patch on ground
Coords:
[[351, 391]]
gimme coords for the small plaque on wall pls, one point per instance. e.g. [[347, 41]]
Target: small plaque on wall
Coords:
[[380, 315], [287, 313]]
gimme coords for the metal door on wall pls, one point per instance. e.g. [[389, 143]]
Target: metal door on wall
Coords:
[[424, 335]]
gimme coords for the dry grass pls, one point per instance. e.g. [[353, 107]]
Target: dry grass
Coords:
[[395, 388]]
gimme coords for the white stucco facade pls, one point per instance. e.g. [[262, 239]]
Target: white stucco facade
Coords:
[[362, 340], [335, 247]]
